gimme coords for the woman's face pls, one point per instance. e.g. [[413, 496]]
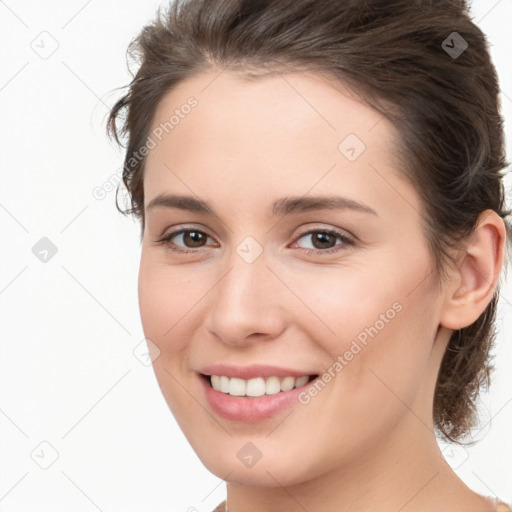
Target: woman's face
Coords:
[[310, 260]]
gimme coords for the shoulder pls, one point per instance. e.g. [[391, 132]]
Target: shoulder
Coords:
[[502, 507], [221, 507]]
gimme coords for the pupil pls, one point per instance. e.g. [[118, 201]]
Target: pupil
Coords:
[[194, 237], [323, 238]]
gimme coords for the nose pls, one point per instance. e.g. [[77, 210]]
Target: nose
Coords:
[[247, 304]]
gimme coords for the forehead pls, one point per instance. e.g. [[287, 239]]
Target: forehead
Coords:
[[293, 130], [288, 106]]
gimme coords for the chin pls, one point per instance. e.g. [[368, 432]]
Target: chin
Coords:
[[270, 472]]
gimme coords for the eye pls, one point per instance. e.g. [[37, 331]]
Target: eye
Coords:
[[190, 238], [324, 241]]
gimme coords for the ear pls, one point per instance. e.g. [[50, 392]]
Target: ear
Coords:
[[473, 280]]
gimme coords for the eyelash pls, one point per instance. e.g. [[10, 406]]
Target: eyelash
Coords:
[[346, 241]]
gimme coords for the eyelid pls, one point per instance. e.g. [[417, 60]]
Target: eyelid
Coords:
[[328, 229], [347, 239], [176, 231], [180, 228]]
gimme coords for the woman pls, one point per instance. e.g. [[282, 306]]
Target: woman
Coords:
[[319, 185]]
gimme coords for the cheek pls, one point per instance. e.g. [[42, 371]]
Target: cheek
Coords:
[[379, 358], [153, 301], [166, 296], [379, 329]]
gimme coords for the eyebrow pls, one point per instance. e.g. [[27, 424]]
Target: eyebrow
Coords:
[[281, 206]]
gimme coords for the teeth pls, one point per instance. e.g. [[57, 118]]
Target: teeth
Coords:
[[257, 386], [287, 383], [215, 380], [224, 384], [236, 387], [272, 386], [301, 381]]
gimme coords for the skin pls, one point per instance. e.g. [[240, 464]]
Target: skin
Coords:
[[366, 441]]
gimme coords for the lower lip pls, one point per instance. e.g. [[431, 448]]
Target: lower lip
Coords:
[[249, 409]]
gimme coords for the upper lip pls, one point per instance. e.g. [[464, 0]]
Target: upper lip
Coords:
[[252, 371]]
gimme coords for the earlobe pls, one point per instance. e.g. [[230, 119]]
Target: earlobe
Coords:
[[474, 279]]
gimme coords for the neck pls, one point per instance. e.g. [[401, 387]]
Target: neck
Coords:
[[407, 472]]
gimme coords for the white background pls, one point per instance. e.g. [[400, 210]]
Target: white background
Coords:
[[68, 327]]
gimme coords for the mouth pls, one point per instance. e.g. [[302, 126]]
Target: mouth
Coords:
[[256, 387]]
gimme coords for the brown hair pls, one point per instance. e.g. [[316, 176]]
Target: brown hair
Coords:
[[405, 58]]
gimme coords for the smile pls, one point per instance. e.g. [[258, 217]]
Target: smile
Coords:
[[258, 386], [254, 398]]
